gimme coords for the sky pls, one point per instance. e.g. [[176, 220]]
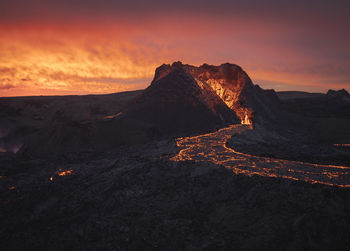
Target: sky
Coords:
[[59, 47]]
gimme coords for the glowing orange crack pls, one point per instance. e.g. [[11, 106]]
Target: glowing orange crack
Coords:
[[113, 116], [64, 173]]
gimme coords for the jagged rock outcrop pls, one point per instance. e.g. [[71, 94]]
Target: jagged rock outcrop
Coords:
[[338, 94]]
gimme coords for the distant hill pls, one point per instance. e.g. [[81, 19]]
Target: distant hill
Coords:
[[286, 95], [338, 94], [329, 114]]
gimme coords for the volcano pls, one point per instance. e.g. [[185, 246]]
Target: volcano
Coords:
[[181, 100], [210, 86], [176, 102]]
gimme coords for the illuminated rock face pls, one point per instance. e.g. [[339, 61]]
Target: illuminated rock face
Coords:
[[232, 98], [228, 81]]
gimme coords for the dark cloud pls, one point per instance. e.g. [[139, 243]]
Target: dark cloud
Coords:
[[290, 11]]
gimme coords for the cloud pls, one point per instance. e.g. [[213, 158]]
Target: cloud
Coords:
[[6, 86], [67, 9], [107, 46], [117, 80]]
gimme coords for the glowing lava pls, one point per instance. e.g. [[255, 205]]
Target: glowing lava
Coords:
[[212, 147], [342, 145], [64, 173], [113, 116], [246, 120]]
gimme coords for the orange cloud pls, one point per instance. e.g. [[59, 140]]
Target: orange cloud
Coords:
[[65, 61], [116, 55]]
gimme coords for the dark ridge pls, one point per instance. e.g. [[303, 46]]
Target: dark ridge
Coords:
[[339, 94]]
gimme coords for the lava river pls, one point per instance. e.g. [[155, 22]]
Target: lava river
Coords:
[[212, 147]]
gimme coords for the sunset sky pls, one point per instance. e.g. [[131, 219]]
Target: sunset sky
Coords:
[[103, 46]]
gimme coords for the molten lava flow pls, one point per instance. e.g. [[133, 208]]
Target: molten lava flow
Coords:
[[212, 147], [246, 120], [113, 116], [64, 173], [342, 145]]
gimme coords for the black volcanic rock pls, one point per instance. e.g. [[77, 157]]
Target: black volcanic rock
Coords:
[[119, 202], [21, 117], [272, 95], [338, 94]]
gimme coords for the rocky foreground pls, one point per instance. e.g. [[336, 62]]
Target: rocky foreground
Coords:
[[137, 199], [104, 172]]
